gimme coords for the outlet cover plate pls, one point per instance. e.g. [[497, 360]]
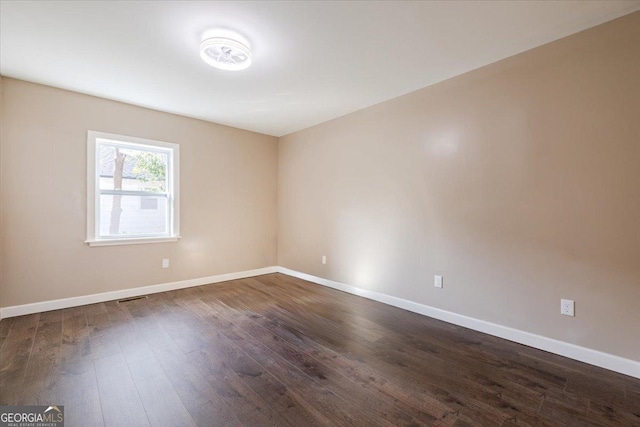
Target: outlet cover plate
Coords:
[[567, 307], [437, 281]]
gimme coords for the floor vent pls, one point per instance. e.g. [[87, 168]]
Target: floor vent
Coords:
[[132, 299]]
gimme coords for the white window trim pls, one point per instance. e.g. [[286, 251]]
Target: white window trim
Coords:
[[92, 190]]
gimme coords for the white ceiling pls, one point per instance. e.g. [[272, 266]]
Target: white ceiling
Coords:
[[312, 61]]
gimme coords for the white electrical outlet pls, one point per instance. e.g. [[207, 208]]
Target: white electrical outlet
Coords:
[[437, 281], [165, 263], [324, 259], [567, 307]]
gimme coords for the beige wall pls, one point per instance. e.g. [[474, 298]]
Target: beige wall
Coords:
[[519, 182], [228, 197]]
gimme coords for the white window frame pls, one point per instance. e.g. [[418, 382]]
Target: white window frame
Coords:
[[93, 188]]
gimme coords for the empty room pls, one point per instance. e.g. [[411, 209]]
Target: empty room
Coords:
[[319, 213]]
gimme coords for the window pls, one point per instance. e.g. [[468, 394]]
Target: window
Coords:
[[133, 192]]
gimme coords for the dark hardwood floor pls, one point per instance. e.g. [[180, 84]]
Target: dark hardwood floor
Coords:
[[275, 350]]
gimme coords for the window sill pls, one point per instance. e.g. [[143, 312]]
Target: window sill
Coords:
[[132, 241]]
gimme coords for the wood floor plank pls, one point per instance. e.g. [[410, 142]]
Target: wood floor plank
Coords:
[[5, 327], [144, 316], [119, 399], [248, 406], [19, 342], [200, 398], [76, 341], [125, 334], [44, 360], [160, 400], [14, 357], [103, 337], [76, 388]]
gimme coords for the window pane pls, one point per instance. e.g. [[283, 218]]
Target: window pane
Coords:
[[132, 169], [133, 215]]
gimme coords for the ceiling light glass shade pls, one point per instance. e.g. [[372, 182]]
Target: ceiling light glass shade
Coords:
[[225, 53]]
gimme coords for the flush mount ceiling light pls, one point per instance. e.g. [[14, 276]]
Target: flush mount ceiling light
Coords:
[[225, 53]]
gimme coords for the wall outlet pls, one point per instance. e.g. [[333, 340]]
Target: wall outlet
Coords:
[[165, 263], [324, 259], [567, 307], [437, 281]]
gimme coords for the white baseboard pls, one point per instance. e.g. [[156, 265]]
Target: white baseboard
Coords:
[[572, 351], [39, 307]]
